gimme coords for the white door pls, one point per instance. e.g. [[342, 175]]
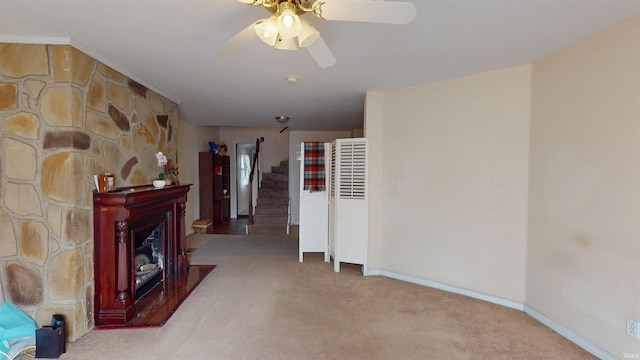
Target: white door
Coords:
[[244, 158]]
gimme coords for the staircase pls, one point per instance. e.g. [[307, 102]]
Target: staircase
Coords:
[[271, 216]]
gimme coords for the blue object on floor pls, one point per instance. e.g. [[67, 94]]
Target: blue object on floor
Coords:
[[14, 325]]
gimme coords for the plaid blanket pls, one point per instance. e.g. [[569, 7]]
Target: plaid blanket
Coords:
[[314, 178]]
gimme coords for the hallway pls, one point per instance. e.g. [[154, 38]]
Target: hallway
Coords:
[[238, 227], [232, 226]]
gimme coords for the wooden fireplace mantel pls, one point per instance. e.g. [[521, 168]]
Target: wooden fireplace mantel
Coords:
[[115, 215]]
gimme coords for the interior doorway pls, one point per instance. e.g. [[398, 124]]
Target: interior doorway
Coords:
[[244, 158]]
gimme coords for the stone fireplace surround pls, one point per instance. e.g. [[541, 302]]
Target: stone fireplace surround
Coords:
[[65, 116]]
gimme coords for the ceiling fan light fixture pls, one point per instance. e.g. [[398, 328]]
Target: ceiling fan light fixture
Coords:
[[282, 119], [308, 34], [286, 25], [267, 31], [287, 21], [286, 43]]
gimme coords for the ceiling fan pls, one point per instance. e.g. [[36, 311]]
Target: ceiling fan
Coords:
[[282, 28]]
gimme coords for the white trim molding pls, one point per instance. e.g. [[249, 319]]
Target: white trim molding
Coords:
[[29, 39], [564, 332], [569, 335], [436, 285]]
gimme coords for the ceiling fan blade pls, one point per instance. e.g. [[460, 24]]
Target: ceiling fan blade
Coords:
[[239, 40], [321, 53], [397, 13]]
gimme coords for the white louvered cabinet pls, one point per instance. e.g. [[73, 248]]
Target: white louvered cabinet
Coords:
[[348, 202]]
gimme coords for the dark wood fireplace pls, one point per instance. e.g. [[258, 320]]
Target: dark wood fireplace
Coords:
[[139, 244]]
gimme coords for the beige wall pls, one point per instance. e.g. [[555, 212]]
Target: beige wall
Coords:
[[584, 228], [571, 124], [192, 140], [374, 131], [297, 137], [460, 148]]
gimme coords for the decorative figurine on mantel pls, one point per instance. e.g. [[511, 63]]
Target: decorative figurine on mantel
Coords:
[[168, 173], [172, 174]]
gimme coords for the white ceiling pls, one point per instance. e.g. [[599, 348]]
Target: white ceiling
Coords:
[[169, 45]]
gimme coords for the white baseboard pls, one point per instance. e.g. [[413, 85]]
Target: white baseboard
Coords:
[[569, 335], [564, 332], [436, 285]]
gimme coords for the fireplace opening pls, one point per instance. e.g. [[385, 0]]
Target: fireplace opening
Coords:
[[149, 258]]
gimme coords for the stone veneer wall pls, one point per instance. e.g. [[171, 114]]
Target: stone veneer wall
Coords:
[[63, 117]]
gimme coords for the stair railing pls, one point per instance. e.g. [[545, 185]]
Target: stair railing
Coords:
[[251, 176]]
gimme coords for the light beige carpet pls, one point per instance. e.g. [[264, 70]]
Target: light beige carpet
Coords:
[[247, 245], [274, 307]]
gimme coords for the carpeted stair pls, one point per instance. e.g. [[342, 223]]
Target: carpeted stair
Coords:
[[271, 215]]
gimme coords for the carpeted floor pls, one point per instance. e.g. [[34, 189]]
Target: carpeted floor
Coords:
[[274, 307], [245, 245]]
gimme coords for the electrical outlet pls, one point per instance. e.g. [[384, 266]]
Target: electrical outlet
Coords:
[[633, 328]]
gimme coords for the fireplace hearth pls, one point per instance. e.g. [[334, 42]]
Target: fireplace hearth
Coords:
[[139, 246]]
